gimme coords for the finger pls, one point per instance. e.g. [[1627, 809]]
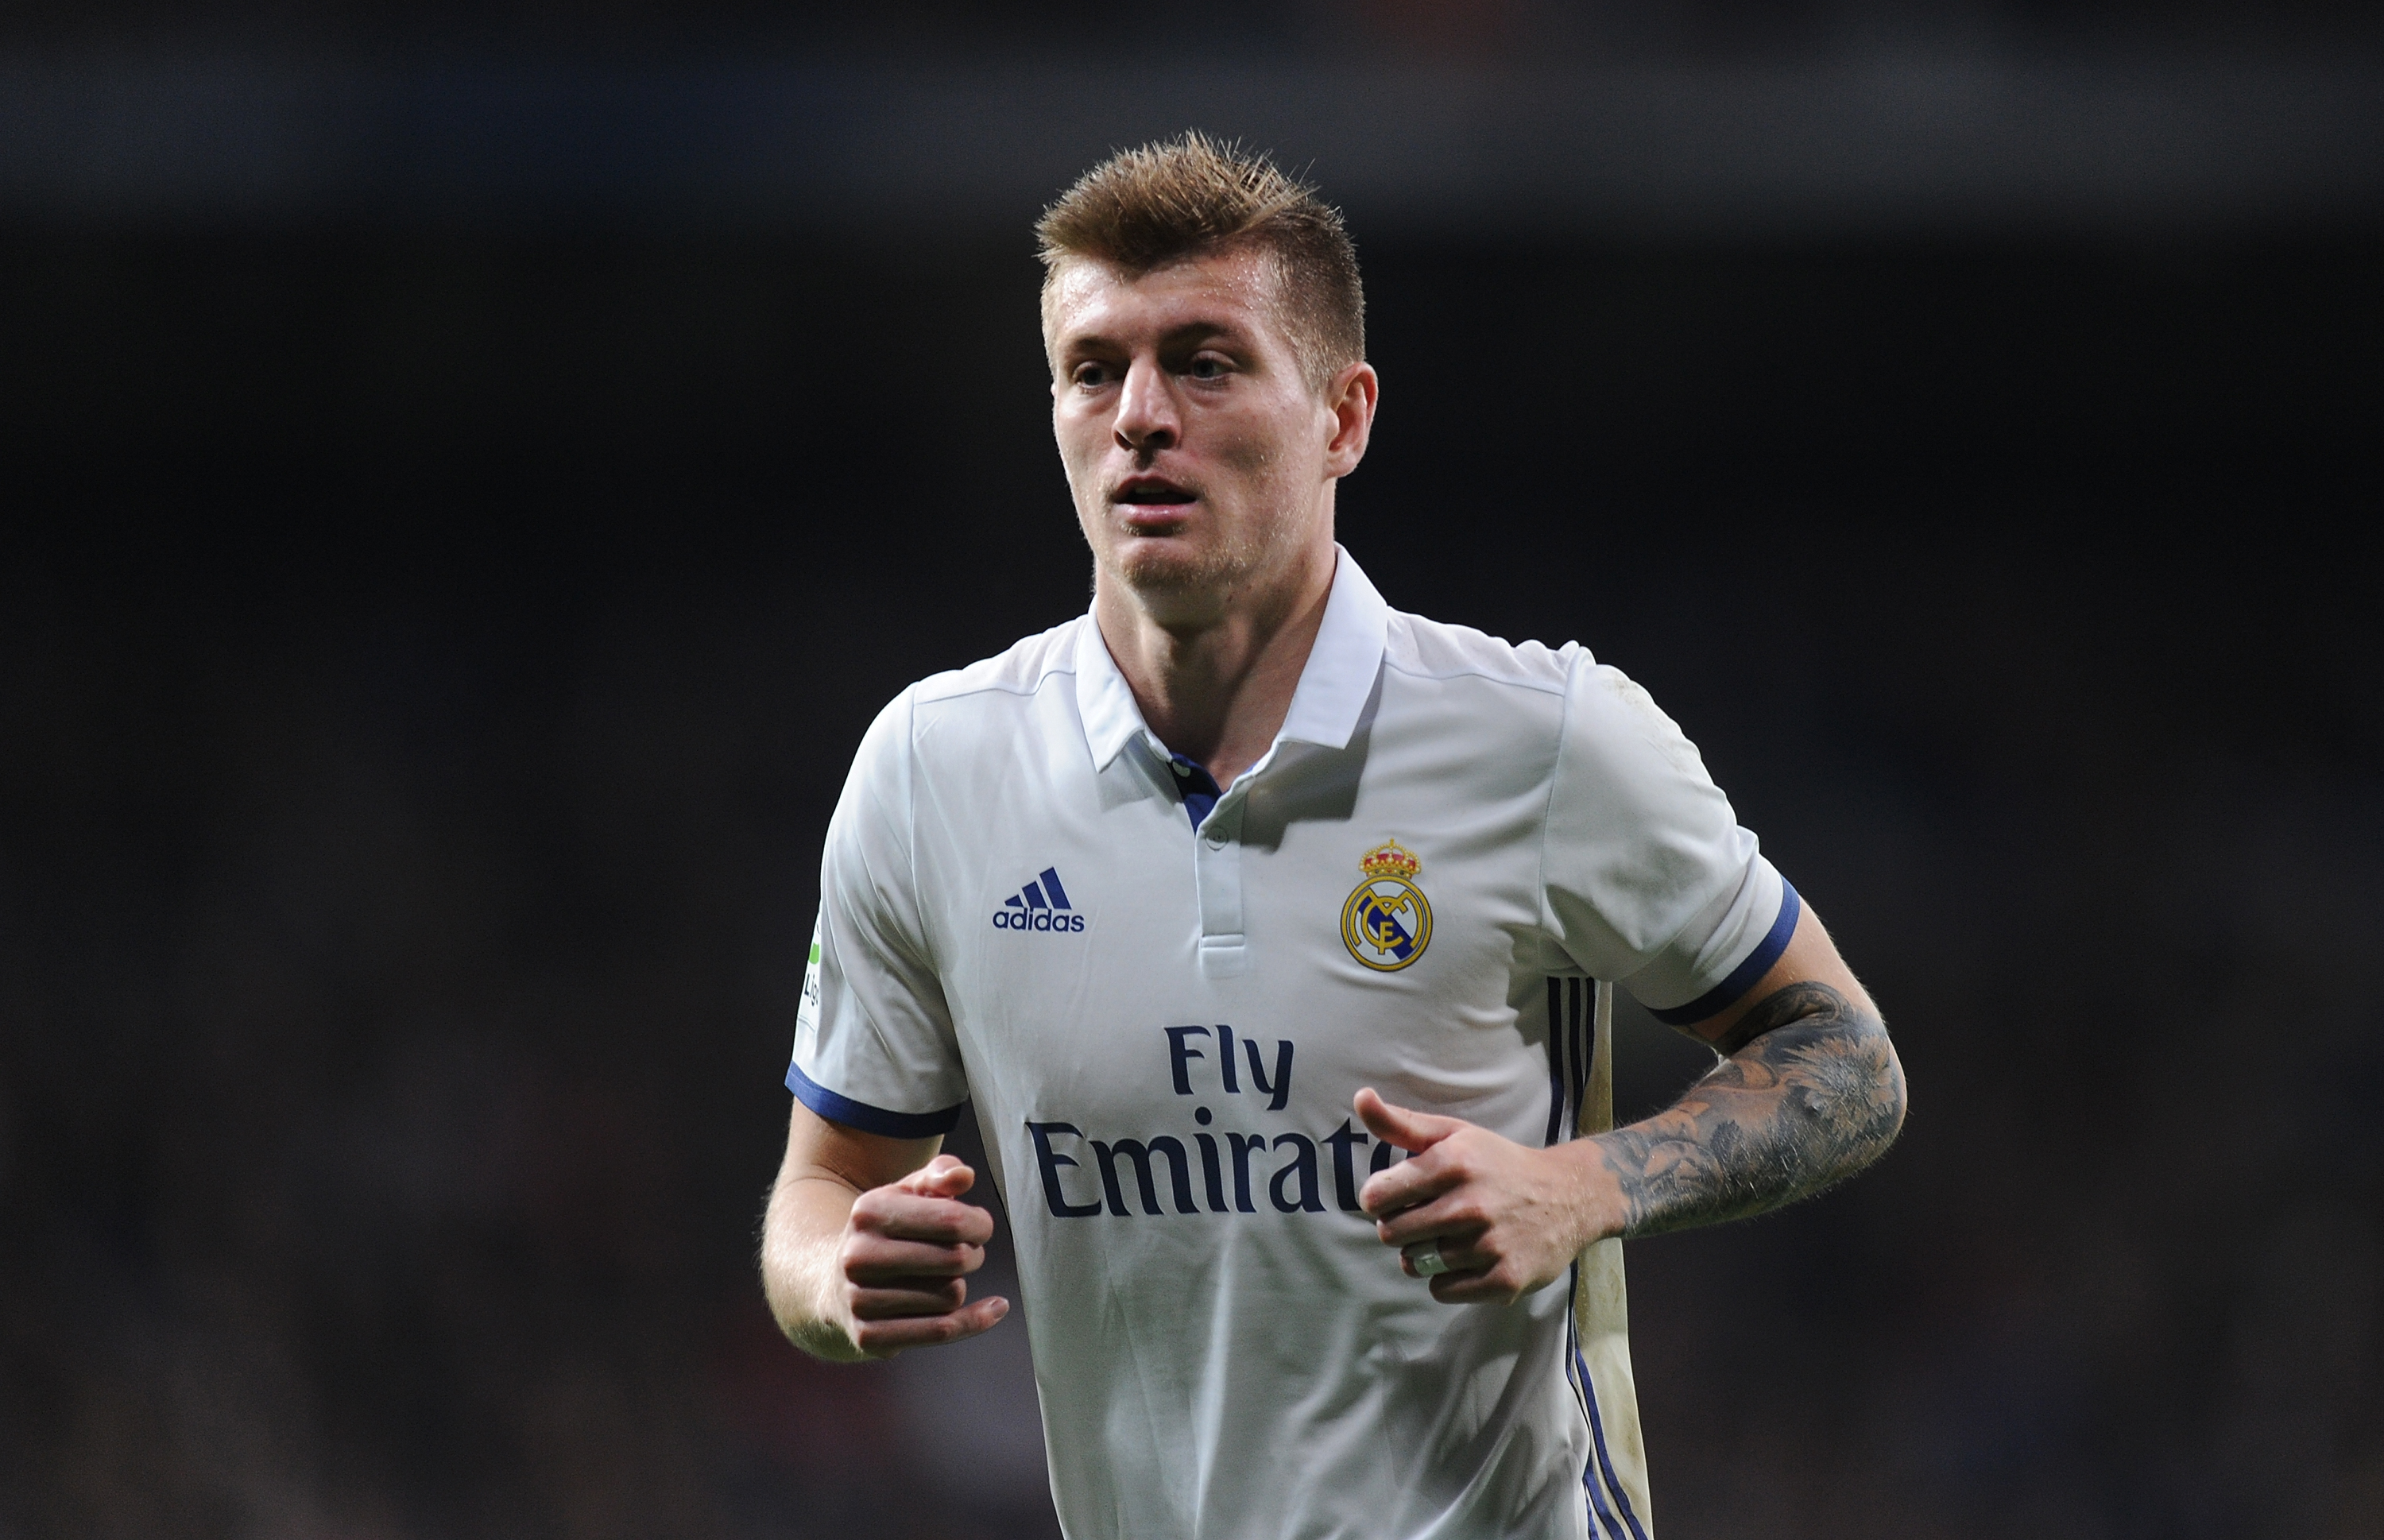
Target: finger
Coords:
[[1456, 1256], [1484, 1287], [936, 1222], [1405, 1128], [1407, 1184], [945, 1176], [1452, 1217], [1462, 1268], [907, 1216], [916, 1297], [885, 1339], [871, 1259]]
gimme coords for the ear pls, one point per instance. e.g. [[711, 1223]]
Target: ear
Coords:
[[1350, 398]]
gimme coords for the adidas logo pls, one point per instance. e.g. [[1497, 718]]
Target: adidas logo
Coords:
[[1040, 905]]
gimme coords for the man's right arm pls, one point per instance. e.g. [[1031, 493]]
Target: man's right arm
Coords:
[[866, 1248]]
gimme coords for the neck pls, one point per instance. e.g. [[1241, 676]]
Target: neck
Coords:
[[1217, 690]]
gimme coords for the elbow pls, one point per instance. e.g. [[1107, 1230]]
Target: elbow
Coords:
[[1890, 1100], [1863, 1105]]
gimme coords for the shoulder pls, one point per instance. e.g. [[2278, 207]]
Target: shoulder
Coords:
[[1434, 649], [1594, 708], [1600, 698], [1022, 669], [953, 711], [950, 715], [1610, 707]]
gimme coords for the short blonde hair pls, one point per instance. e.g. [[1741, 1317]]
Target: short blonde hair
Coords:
[[1190, 197]]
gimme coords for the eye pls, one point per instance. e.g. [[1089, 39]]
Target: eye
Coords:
[[1088, 377], [1209, 365]]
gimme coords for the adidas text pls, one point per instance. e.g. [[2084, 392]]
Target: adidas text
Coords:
[[1036, 919], [1040, 905]]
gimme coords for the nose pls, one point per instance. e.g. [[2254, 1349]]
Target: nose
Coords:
[[1146, 420]]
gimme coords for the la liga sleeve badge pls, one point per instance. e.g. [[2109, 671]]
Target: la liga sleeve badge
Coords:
[[1387, 922]]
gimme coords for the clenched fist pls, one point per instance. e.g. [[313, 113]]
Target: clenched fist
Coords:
[[904, 1260]]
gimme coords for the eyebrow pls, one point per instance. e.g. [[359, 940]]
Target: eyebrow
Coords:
[[1190, 331]]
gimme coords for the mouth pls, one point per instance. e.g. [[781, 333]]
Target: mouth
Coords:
[[1147, 499]]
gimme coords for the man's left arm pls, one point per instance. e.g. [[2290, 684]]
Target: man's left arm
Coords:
[[1808, 1092]]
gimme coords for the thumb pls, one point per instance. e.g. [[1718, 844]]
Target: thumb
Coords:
[[945, 1176], [1411, 1131]]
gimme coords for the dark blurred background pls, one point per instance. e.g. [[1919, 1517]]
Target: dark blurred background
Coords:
[[471, 473]]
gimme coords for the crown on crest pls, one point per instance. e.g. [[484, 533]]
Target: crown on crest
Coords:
[[1388, 859]]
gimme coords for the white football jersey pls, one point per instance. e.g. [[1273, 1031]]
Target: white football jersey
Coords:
[[1160, 999]]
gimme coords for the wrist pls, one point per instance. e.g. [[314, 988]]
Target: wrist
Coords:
[[1598, 1209]]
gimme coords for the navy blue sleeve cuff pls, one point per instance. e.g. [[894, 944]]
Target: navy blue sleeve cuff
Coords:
[[868, 1119], [1722, 996]]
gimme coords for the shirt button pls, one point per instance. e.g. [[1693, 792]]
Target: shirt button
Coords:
[[1180, 767]]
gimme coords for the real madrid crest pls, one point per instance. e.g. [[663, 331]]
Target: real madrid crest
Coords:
[[1387, 922]]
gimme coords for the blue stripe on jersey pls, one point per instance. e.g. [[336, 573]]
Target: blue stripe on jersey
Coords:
[[1050, 876], [1571, 1035], [1556, 1060], [1600, 1462], [868, 1119], [1605, 1462], [1602, 1524], [1722, 996], [1199, 788], [1585, 1025]]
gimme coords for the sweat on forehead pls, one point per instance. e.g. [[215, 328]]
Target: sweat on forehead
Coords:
[[1249, 275]]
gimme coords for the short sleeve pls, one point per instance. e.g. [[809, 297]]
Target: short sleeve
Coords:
[[873, 1043], [1648, 877]]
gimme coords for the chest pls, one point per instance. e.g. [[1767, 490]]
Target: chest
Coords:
[[1365, 916]]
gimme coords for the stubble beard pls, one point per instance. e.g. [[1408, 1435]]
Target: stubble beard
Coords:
[[1183, 583]]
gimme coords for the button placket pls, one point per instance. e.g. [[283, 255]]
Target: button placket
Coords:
[[1217, 866]]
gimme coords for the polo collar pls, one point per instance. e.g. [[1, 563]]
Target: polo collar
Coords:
[[1335, 684]]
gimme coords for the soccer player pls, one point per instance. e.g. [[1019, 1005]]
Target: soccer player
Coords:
[[1269, 930]]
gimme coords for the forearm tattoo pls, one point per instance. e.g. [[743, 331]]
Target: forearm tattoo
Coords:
[[1811, 1094]]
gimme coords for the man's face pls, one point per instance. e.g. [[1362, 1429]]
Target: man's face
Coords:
[[1200, 461]]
